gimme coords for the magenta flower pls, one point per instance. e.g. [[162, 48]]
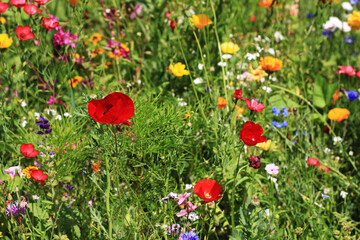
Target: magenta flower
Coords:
[[64, 38], [182, 197], [272, 169], [11, 171]]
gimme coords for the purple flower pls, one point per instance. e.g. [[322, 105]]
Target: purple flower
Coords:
[[135, 12], [350, 40], [112, 44], [64, 38], [354, 1], [70, 187], [43, 124], [189, 236], [14, 209], [310, 15], [324, 196]]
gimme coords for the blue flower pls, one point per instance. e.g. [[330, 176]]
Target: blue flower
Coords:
[[283, 124], [279, 125], [352, 95], [328, 34], [354, 1], [350, 40], [285, 112], [275, 111], [296, 132], [189, 236], [310, 15]]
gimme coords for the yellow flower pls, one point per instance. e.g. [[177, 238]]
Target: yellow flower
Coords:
[[338, 114], [74, 81], [264, 145], [27, 171], [239, 111], [187, 115], [95, 38], [5, 41], [229, 47], [354, 20], [271, 64], [2, 20], [256, 74], [178, 70], [124, 46], [200, 20]]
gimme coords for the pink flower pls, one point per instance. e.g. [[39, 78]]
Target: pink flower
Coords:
[[272, 169], [254, 105], [185, 212], [313, 161], [64, 38], [349, 70], [11, 171], [182, 197]]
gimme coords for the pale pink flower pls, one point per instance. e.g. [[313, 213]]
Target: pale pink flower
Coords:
[[11, 171], [182, 197]]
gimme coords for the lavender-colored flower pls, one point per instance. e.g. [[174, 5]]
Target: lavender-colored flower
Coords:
[[35, 197], [11, 171], [43, 124], [324, 196], [174, 229], [272, 169], [70, 187], [165, 199], [189, 236], [173, 195], [354, 1], [135, 12], [350, 40], [14, 209]]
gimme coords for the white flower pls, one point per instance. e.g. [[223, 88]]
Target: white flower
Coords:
[[271, 51], [250, 56], [226, 56], [198, 80], [23, 124], [200, 66], [212, 69], [23, 104], [347, 6], [139, 81], [278, 37], [230, 35], [272, 78], [343, 194], [181, 102], [335, 23], [188, 186], [267, 212], [260, 49], [193, 217], [351, 153], [221, 64], [53, 111], [326, 190], [231, 74], [35, 197], [67, 114], [267, 89], [337, 139], [327, 150], [58, 117], [257, 39]]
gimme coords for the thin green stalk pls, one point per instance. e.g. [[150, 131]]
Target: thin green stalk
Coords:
[[233, 191], [203, 61], [107, 195], [219, 48]]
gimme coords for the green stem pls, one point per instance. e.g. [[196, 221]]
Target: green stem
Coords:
[[233, 191], [107, 195]]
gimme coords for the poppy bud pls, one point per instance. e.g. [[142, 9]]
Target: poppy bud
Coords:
[[173, 24], [326, 129], [254, 162]]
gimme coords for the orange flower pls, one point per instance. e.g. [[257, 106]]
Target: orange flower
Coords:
[[107, 65], [95, 38], [266, 3], [99, 51], [95, 168], [338, 114], [336, 96], [27, 171], [221, 102], [200, 20], [271, 64], [73, 2], [239, 111], [74, 81]]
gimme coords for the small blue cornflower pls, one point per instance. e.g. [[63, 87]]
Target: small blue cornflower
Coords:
[[279, 125], [352, 95], [275, 111], [285, 112], [310, 15], [354, 1], [189, 236], [350, 40]]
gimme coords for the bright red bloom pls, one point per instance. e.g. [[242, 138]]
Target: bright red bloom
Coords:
[[238, 94], [39, 176], [3, 7], [18, 3], [254, 105], [209, 190], [313, 162], [30, 9], [167, 14], [250, 134], [253, 18], [349, 70], [115, 108], [41, 2], [27, 150], [173, 24], [323, 168], [50, 23], [24, 33]]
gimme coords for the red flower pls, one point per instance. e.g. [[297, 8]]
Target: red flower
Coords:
[[313, 162], [349, 70], [252, 18], [30, 9], [24, 33], [41, 2], [250, 134], [254, 162], [115, 108], [27, 150], [254, 105], [209, 190], [167, 14], [3, 7], [323, 168], [173, 24], [50, 23], [39, 176], [238, 94], [18, 3]]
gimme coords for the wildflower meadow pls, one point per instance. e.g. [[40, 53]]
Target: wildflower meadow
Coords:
[[184, 120]]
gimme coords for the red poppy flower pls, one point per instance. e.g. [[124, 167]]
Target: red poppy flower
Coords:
[[30, 9], [254, 105], [313, 162], [238, 94], [18, 3], [24, 33], [323, 168], [39, 176], [250, 134], [41, 2], [209, 190], [115, 108], [50, 23], [173, 24], [3, 7], [27, 150]]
